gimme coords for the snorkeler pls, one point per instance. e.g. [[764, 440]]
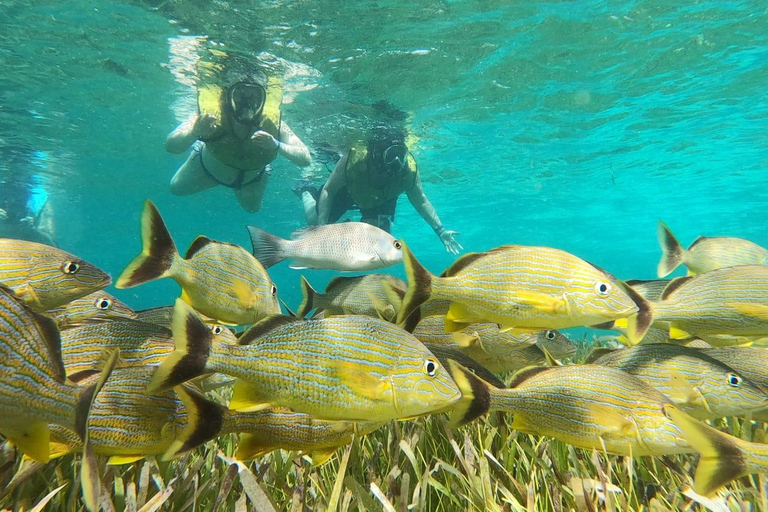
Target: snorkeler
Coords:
[[236, 133], [370, 177]]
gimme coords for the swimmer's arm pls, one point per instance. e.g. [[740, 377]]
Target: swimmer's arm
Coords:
[[182, 137], [336, 181], [292, 148], [423, 205]]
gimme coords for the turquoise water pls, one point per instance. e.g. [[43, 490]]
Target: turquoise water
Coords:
[[575, 125]]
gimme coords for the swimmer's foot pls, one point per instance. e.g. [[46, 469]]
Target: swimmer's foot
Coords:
[[304, 186]]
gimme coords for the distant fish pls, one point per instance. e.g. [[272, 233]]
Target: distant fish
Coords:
[[222, 281], [96, 307], [127, 424], [726, 301], [532, 288], [587, 406], [346, 246], [278, 428], [707, 253], [496, 350], [45, 277], [722, 457], [702, 386], [339, 368], [377, 295]]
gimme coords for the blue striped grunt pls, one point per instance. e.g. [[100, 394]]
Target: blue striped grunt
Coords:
[[339, 368], [45, 277], [126, 424], [140, 343], [700, 385], [221, 280], [496, 350], [278, 428], [730, 301], [587, 406], [722, 457], [377, 295], [160, 315], [707, 253], [96, 307], [531, 288], [752, 362]]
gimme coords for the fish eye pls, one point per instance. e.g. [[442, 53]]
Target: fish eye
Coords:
[[430, 367], [734, 380], [103, 304], [550, 335], [70, 267], [603, 288], [217, 329], [273, 290], [397, 245]]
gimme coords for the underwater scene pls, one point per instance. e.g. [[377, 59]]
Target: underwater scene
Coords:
[[296, 255]]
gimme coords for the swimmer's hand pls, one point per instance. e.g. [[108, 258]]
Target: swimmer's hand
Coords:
[[450, 243], [265, 140], [205, 126]]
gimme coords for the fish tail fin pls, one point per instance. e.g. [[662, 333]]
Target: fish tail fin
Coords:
[[721, 456], [671, 251], [158, 252], [639, 323], [90, 482], [419, 286], [192, 340], [475, 395], [267, 248], [307, 304], [204, 421]]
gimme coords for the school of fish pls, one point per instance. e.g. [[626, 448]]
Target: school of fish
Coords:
[[81, 371]]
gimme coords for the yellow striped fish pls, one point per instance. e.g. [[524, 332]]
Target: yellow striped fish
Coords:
[[45, 277], [223, 281], [752, 362], [278, 428], [731, 301], [702, 386], [159, 316], [722, 457], [707, 253], [33, 389], [649, 289], [377, 295], [532, 288], [126, 424], [140, 343], [96, 307], [587, 406], [496, 350], [339, 368]]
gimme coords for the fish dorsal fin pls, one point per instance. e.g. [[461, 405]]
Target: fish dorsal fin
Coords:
[[462, 263], [598, 352], [197, 245], [303, 232], [337, 281], [698, 241], [265, 326], [525, 374], [674, 285]]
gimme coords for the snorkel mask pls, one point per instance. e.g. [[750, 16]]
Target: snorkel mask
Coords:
[[395, 157], [246, 101]]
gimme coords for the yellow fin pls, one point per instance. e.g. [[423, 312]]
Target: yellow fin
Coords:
[[465, 340], [27, 294], [385, 311], [243, 293], [60, 449], [458, 317], [621, 323], [251, 446], [34, 440], [117, 460], [321, 455], [610, 420], [541, 301], [678, 334], [759, 311], [246, 398], [361, 381], [683, 393], [185, 297]]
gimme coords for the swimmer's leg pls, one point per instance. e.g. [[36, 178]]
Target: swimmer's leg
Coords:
[[191, 178], [250, 195], [310, 207]]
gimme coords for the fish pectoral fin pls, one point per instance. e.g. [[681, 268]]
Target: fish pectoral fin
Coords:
[[759, 311], [298, 266], [385, 311], [465, 340], [678, 334], [28, 295], [613, 423], [321, 455], [246, 398], [34, 439], [362, 381], [117, 460], [541, 301]]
